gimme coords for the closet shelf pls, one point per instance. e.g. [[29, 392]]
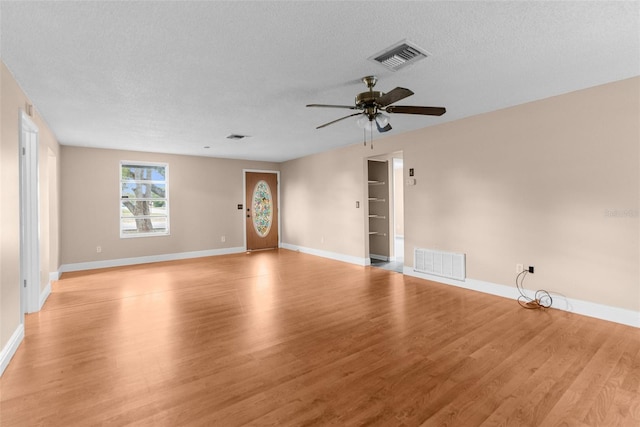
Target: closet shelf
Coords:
[[376, 199], [376, 233], [376, 182], [377, 216]]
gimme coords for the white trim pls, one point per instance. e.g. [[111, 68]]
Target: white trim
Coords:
[[394, 202], [560, 302], [44, 294], [326, 254], [92, 265], [12, 346], [244, 202], [380, 257], [29, 216], [599, 311], [166, 198], [54, 275]]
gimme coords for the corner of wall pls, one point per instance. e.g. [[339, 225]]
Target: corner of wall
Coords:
[[327, 254], [7, 352]]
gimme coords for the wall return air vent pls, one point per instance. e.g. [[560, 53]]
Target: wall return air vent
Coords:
[[399, 55], [439, 263]]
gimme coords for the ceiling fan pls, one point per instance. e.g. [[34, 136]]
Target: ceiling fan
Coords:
[[372, 104]]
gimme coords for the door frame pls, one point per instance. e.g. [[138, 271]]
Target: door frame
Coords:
[[29, 216], [389, 158], [394, 199], [244, 201]]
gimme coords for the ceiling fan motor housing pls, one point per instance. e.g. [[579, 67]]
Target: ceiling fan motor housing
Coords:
[[367, 99]]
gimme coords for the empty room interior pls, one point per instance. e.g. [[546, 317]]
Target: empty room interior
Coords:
[[320, 213]]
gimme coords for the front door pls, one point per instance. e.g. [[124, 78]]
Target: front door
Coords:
[[261, 210]]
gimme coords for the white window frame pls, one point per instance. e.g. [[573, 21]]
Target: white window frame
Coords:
[[166, 198]]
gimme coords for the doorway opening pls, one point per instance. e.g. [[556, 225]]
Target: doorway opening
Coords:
[[386, 211]]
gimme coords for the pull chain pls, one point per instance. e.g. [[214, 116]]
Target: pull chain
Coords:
[[371, 136], [364, 135]]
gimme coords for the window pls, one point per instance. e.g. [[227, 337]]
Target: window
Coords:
[[144, 199]]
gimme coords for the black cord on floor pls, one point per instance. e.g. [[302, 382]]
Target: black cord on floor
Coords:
[[542, 298]]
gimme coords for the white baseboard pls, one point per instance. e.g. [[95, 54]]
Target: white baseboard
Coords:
[[92, 265], [326, 254], [54, 275], [379, 257], [560, 302], [11, 347], [44, 294]]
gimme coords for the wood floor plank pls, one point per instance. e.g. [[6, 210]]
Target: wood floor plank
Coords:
[[582, 398], [284, 338], [611, 391]]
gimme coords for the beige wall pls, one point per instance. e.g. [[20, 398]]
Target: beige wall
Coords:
[[319, 195], [13, 100], [536, 184], [533, 184], [204, 193]]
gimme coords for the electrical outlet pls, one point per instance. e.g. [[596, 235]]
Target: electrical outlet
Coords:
[[223, 239], [530, 269], [519, 268], [98, 249]]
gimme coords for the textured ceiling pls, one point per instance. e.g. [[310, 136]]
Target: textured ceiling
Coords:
[[175, 77]]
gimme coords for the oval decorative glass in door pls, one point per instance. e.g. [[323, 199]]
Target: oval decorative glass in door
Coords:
[[262, 209]]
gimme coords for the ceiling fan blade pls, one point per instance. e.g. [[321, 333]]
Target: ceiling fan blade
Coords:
[[332, 106], [337, 120], [394, 96], [425, 111]]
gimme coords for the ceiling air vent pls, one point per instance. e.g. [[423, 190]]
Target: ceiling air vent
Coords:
[[399, 55], [236, 136]]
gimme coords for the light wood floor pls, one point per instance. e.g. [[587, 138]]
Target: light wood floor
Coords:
[[283, 338]]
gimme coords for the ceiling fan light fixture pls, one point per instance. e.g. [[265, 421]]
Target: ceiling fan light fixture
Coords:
[[363, 122], [382, 119]]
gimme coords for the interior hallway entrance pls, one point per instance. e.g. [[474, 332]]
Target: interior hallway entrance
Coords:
[[386, 211]]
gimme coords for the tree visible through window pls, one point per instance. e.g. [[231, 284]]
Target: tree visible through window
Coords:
[[144, 199]]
